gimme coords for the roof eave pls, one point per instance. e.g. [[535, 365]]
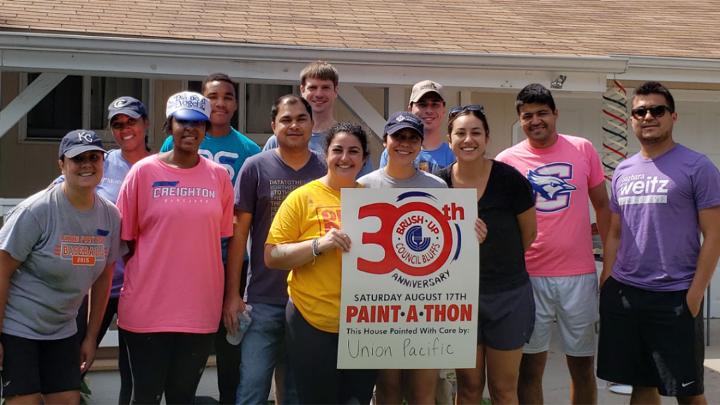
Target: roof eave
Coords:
[[73, 43]]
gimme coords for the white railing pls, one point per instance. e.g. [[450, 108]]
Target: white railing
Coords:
[[6, 204]]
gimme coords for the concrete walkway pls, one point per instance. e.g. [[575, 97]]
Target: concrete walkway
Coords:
[[105, 384]]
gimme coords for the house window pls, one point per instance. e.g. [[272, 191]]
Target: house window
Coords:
[[259, 99], [104, 90], [78, 102], [59, 112]]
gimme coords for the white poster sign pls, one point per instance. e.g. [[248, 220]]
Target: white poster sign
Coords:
[[410, 280]]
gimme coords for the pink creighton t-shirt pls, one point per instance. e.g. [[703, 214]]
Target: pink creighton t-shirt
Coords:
[[174, 280], [561, 177]]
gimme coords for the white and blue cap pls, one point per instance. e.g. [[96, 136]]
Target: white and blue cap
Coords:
[[126, 105], [188, 105]]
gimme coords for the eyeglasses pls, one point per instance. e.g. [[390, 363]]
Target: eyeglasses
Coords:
[[656, 111], [189, 123], [92, 158], [119, 126], [470, 107]]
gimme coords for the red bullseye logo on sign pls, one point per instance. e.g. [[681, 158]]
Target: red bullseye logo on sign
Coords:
[[416, 236]]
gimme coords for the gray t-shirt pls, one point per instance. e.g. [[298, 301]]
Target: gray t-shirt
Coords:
[[63, 251], [421, 179], [262, 185]]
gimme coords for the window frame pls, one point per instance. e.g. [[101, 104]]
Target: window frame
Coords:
[[86, 106]]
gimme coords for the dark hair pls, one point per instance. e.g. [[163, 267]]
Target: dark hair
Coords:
[[648, 88], [353, 129], [534, 93], [219, 77], [477, 114], [289, 99], [168, 125], [320, 70]]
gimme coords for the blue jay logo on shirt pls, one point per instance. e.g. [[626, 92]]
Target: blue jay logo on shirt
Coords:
[[549, 183]]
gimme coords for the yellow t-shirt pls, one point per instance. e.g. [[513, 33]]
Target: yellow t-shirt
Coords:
[[308, 213]]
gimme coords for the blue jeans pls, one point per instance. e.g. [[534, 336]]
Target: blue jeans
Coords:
[[263, 348]]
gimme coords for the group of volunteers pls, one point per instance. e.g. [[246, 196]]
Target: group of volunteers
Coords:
[[181, 242]]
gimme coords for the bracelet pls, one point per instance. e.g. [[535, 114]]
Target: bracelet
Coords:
[[316, 247]]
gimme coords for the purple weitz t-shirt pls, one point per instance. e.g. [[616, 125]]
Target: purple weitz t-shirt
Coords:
[[658, 201]]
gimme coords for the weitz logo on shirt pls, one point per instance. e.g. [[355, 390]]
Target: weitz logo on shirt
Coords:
[[550, 185], [642, 189]]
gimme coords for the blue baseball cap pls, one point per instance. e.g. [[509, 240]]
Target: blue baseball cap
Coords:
[[403, 119], [127, 105], [79, 141]]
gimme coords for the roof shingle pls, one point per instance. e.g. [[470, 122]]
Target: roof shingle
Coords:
[[589, 28]]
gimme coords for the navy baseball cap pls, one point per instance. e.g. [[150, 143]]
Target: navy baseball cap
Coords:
[[127, 105], [403, 119], [79, 141]]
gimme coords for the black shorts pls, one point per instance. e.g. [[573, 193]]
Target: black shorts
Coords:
[[506, 319], [649, 338], [40, 366]]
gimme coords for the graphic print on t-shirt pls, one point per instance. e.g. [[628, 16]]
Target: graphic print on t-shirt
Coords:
[[224, 158], [550, 185], [642, 189], [82, 250], [279, 189], [171, 191], [330, 217]]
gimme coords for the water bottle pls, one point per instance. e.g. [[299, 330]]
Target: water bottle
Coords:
[[244, 321]]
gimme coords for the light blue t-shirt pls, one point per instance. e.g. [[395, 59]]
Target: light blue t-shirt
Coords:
[[317, 145], [114, 172], [428, 160], [229, 151]]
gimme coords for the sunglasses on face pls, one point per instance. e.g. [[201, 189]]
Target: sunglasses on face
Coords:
[[656, 111], [470, 107], [189, 123]]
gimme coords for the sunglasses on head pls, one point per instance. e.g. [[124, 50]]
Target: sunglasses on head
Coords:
[[189, 123], [656, 111], [470, 107]]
